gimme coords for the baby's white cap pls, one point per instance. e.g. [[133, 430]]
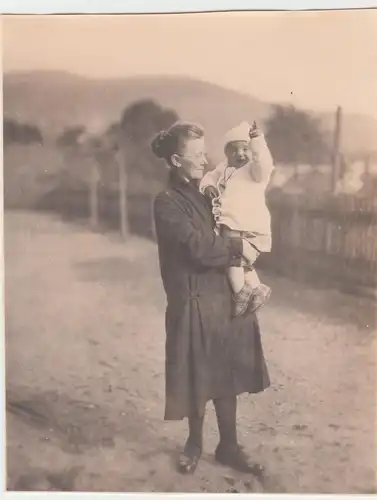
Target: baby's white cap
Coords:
[[239, 133]]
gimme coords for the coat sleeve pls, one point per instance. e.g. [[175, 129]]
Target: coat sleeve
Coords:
[[262, 165], [212, 177], [203, 245]]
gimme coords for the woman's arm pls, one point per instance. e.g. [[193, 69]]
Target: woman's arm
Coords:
[[203, 245], [211, 178]]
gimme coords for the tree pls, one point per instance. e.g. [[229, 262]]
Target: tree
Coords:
[[110, 138], [141, 173], [294, 136], [10, 131], [20, 133], [70, 136], [141, 120], [138, 124], [30, 134]]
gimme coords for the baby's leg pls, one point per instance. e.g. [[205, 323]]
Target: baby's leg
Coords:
[[236, 278], [251, 278], [261, 292]]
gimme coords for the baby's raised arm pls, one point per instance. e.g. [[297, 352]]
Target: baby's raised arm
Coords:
[[262, 164]]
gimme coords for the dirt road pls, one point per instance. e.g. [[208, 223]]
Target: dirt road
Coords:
[[85, 376]]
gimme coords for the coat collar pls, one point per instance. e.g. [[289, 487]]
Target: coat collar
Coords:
[[177, 180], [190, 190]]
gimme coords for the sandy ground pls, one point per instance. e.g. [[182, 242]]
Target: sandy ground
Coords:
[[85, 376]]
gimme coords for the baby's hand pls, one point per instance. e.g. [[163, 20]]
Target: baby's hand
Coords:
[[211, 192], [255, 131]]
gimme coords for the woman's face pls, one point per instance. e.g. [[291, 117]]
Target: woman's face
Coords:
[[192, 160]]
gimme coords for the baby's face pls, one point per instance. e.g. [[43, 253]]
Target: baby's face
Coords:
[[238, 153]]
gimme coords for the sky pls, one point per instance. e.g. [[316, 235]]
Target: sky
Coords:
[[316, 60]]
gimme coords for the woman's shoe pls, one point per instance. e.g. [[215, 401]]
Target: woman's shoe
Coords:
[[236, 458], [189, 458]]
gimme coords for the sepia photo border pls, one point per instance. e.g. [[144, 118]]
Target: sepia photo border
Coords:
[[139, 7]]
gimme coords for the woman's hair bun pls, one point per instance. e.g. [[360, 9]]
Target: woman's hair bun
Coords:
[[159, 144]]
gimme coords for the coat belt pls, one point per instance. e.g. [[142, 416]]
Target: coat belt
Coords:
[[194, 296]]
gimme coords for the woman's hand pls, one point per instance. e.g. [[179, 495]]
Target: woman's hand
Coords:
[[211, 192]]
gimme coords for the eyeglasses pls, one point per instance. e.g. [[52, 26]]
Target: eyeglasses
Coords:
[[197, 156]]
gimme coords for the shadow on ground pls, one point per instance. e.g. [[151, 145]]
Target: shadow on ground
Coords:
[[75, 427], [108, 270]]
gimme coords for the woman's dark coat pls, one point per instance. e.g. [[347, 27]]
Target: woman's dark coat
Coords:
[[208, 354]]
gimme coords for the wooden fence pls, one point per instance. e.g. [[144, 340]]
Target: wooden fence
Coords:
[[329, 238], [322, 238], [75, 203]]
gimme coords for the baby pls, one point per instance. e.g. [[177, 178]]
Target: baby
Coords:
[[237, 190]]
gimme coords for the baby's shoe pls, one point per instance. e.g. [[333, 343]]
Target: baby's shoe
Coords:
[[241, 300], [260, 296]]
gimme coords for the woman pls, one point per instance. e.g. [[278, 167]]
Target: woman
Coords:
[[209, 354]]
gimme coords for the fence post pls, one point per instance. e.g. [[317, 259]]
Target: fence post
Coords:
[[296, 261], [123, 194], [153, 226], [93, 195]]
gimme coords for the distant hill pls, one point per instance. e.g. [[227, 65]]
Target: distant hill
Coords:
[[54, 100]]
